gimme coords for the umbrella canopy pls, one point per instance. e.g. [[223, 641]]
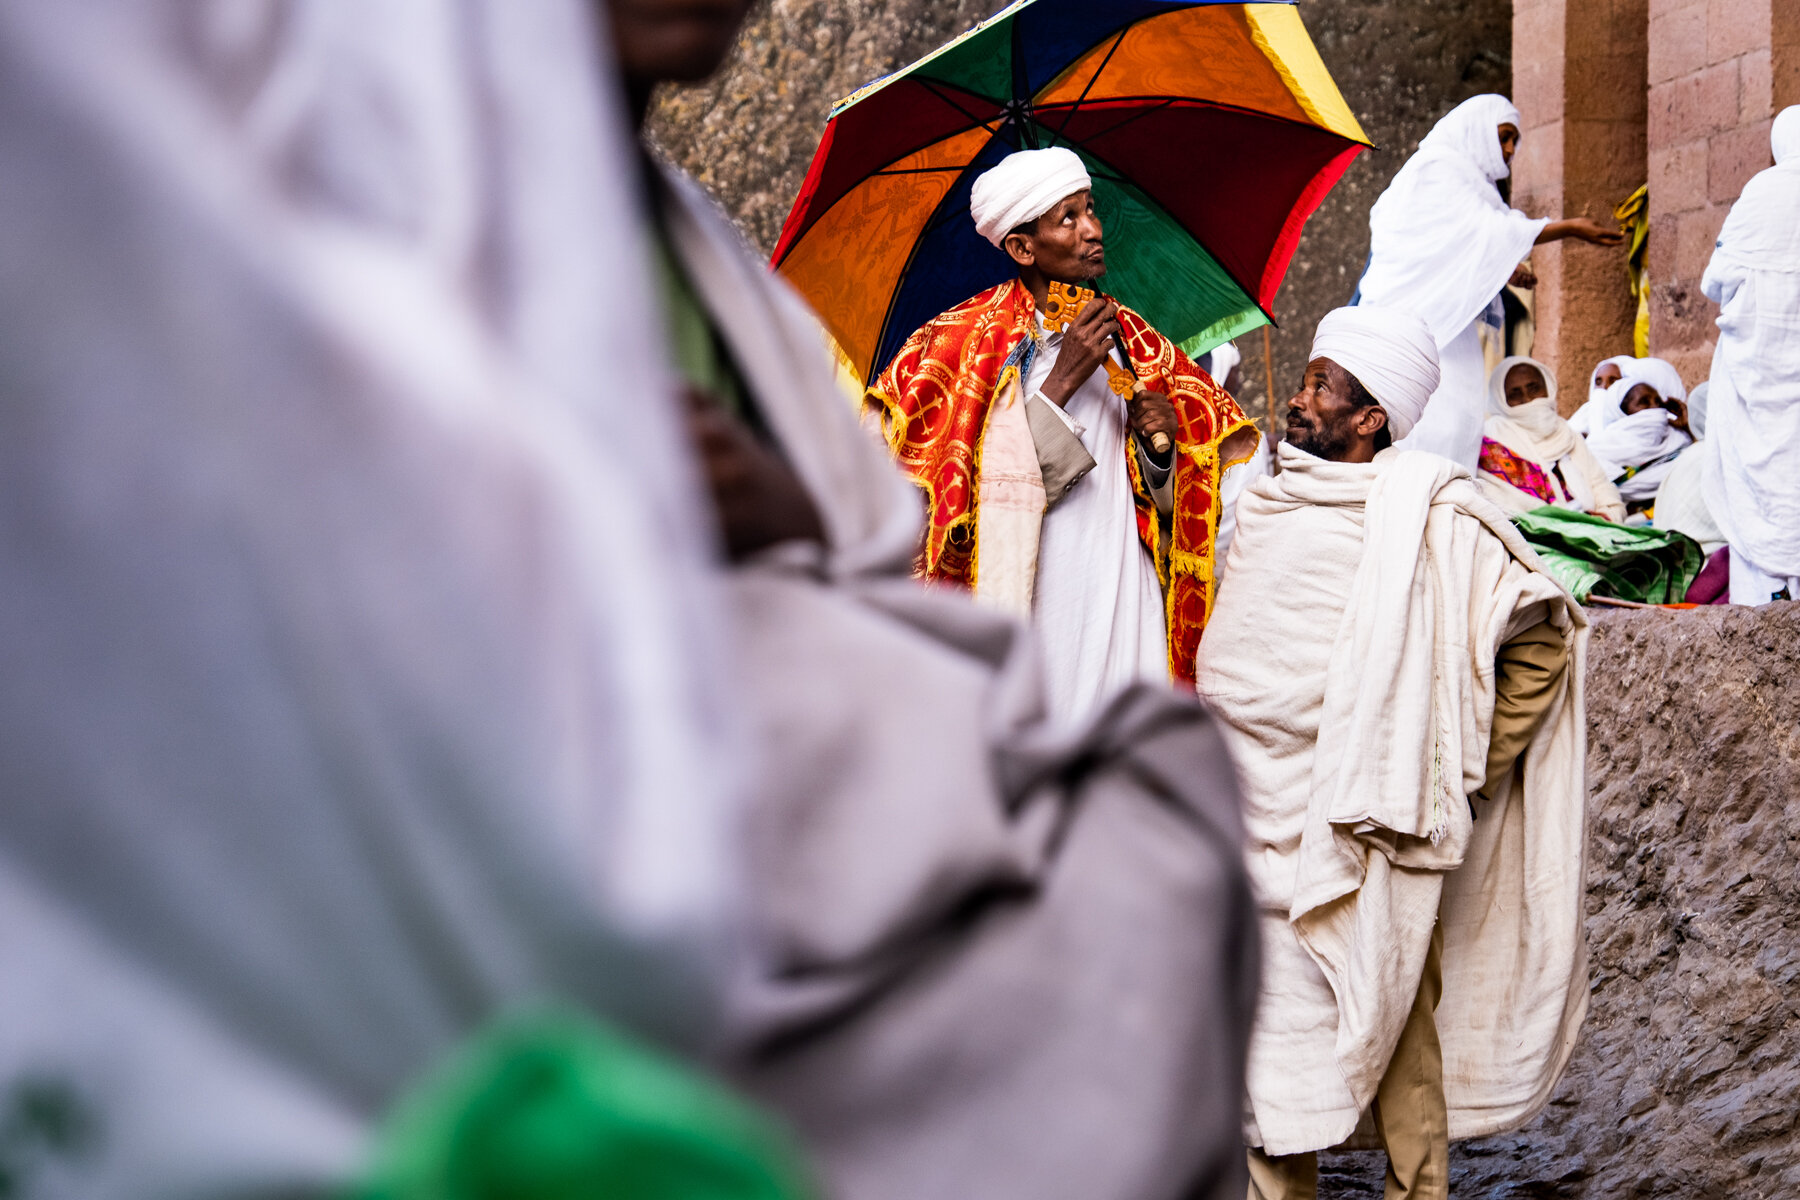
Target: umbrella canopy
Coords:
[[1212, 131]]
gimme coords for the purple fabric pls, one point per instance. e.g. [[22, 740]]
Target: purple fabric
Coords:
[[1713, 584]]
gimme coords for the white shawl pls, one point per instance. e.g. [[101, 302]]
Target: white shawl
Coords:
[[1442, 243], [1535, 431], [1753, 481], [362, 651], [1597, 412], [1358, 745]]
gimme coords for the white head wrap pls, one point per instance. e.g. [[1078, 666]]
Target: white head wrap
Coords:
[[1390, 352], [1471, 132], [1659, 373], [1497, 405], [1784, 137], [1534, 428], [1023, 188]]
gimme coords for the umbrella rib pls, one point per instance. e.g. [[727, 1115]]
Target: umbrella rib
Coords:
[[930, 87], [1092, 80]]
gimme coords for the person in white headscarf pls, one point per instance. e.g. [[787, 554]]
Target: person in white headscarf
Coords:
[[1443, 244], [363, 651], [1752, 480], [1415, 976], [1645, 432], [1529, 455], [1596, 411]]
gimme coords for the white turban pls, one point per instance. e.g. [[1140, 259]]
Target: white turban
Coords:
[[1023, 188], [1390, 352]]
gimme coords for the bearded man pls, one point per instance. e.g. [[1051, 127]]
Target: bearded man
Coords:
[[1048, 495], [1412, 764]]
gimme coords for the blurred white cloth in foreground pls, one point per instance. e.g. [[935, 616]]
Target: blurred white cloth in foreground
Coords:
[[359, 643]]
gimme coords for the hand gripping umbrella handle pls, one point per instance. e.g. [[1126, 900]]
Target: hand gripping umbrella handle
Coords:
[[1159, 441]]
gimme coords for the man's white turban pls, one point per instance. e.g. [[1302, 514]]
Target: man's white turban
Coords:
[[1390, 352], [1023, 188]]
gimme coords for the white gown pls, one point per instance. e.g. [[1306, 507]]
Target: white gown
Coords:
[[1099, 604]]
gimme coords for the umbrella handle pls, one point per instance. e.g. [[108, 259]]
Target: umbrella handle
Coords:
[[1159, 441]]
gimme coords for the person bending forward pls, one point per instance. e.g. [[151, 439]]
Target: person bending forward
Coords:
[[1047, 496], [1417, 742]]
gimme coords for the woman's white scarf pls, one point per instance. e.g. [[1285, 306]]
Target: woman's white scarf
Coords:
[[1643, 437], [1752, 481], [1442, 243], [1534, 429], [1596, 413]]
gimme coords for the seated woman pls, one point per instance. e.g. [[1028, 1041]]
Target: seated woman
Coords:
[[1530, 456], [1639, 447], [1595, 412]]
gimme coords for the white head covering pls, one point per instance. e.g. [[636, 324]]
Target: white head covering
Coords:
[[1620, 361], [1023, 187], [1497, 405], [1390, 353], [1644, 436], [1659, 373], [1535, 428], [1442, 243], [1784, 137], [1470, 132]]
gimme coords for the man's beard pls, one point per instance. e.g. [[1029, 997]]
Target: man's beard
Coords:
[[1329, 442]]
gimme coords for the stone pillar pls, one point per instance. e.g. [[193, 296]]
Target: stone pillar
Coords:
[[1579, 83], [1713, 93]]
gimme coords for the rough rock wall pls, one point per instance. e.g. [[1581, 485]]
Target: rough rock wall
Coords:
[[750, 133], [1686, 1082]]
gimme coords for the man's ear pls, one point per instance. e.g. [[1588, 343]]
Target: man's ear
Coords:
[[1371, 420], [1019, 247]]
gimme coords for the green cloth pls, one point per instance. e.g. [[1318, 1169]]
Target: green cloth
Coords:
[[1592, 556], [555, 1107]]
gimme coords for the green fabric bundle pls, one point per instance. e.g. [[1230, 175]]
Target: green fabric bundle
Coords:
[[555, 1107], [1593, 556]]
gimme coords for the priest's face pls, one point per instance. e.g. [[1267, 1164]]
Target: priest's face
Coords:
[[1064, 244], [1325, 420], [674, 41]]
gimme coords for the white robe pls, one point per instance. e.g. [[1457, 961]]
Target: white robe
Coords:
[[1389, 588], [1752, 481], [1098, 603], [362, 652]]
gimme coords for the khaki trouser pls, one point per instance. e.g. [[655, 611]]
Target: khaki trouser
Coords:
[[1408, 1110]]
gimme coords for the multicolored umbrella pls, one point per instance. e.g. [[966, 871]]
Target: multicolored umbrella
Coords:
[[1212, 131]]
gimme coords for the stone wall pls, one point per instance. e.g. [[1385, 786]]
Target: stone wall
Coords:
[[1712, 78], [749, 135], [1581, 93], [1686, 1082]]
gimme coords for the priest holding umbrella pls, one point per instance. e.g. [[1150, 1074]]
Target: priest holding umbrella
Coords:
[[1088, 499]]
